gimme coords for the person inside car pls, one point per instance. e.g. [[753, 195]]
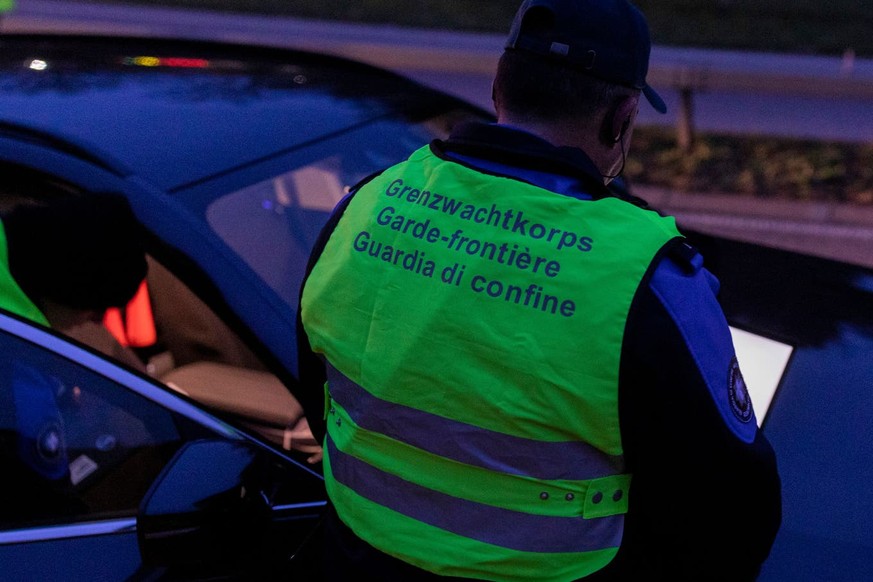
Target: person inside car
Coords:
[[68, 260], [63, 263], [77, 263]]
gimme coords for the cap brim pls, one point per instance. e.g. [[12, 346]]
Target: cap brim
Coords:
[[654, 99]]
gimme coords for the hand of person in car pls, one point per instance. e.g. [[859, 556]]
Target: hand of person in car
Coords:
[[299, 438]]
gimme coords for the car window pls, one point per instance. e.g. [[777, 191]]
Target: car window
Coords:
[[199, 355], [75, 445], [168, 332], [288, 210]]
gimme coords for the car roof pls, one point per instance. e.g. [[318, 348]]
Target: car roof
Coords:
[[178, 112]]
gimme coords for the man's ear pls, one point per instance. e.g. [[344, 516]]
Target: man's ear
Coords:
[[618, 121], [496, 99]]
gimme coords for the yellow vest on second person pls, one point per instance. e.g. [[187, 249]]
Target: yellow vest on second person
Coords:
[[12, 298]]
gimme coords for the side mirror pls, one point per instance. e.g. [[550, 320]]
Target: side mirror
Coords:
[[206, 509]]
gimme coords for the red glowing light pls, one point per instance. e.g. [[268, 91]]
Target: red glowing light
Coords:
[[186, 63]]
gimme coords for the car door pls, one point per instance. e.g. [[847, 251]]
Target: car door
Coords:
[[818, 315], [83, 442]]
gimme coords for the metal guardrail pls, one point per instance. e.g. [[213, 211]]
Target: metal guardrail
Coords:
[[842, 76], [698, 69], [691, 71]]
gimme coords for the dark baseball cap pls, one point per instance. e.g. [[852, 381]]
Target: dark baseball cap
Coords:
[[608, 39]]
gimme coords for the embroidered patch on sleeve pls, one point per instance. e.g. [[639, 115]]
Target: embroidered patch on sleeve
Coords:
[[738, 394]]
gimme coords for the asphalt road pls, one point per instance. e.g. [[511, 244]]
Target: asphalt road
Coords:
[[816, 97]]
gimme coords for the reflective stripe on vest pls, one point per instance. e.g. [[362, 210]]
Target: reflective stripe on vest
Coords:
[[476, 446], [473, 326], [524, 532]]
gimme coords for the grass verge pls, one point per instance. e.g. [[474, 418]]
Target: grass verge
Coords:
[[765, 167]]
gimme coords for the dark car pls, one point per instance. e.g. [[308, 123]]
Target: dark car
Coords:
[[232, 158], [807, 324]]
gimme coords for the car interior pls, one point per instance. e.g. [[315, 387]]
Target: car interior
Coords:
[[173, 336], [199, 355]]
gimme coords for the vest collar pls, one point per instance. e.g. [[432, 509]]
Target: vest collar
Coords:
[[513, 146]]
